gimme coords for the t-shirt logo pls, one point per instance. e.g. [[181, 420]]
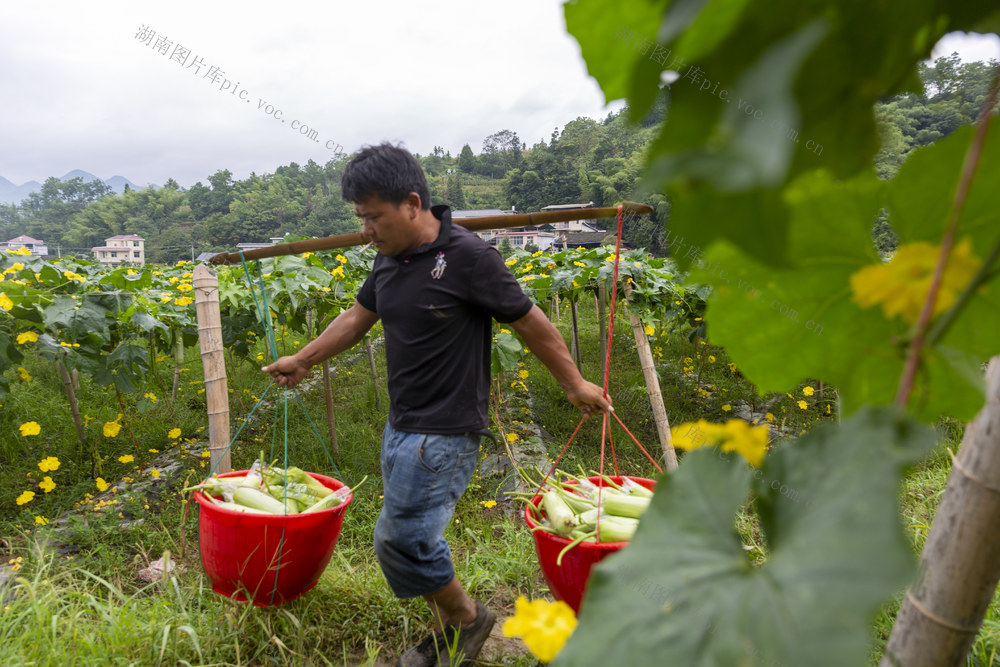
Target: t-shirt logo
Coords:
[[439, 266]]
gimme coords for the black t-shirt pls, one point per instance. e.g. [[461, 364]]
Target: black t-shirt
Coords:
[[437, 304]]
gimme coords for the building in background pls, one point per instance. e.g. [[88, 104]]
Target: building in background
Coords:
[[553, 236], [34, 245], [121, 249]]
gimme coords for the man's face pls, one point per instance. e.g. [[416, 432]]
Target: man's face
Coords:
[[391, 229]]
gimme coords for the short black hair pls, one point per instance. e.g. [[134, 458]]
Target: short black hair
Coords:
[[388, 172]]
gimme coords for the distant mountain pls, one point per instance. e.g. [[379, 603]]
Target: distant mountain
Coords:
[[12, 194]]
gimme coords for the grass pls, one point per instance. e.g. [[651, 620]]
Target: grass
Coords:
[[75, 597]]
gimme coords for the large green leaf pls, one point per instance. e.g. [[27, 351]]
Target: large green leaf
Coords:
[[75, 318], [685, 591]]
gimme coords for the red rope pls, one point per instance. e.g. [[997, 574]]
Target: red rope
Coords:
[[605, 422]]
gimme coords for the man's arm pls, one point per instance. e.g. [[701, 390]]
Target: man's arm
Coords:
[[546, 343], [346, 330]]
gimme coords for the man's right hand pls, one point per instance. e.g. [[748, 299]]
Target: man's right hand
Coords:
[[287, 371]]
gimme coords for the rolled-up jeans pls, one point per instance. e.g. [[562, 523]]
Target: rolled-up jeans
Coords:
[[423, 476]]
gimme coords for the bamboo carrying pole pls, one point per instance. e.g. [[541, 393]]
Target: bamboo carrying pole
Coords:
[[960, 562], [472, 224], [206, 299], [652, 385]]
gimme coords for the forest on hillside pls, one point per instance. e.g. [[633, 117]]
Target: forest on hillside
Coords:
[[588, 160]]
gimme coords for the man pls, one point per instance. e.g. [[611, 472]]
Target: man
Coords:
[[437, 289]]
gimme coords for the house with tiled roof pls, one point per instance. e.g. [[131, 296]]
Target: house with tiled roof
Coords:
[[34, 245], [121, 249]]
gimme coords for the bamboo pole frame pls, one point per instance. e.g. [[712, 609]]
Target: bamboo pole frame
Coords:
[[472, 224]]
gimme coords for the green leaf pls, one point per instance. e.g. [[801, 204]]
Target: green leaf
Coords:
[[609, 35], [685, 591], [75, 318]]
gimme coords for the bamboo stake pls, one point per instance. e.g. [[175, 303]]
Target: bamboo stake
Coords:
[[960, 562], [371, 363], [331, 418], [206, 299], [74, 407], [602, 308], [652, 385], [576, 339], [472, 224], [178, 362]]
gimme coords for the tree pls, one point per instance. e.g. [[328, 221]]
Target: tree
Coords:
[[466, 160], [454, 195], [505, 248]]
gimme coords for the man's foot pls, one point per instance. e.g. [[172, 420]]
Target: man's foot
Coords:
[[464, 643]]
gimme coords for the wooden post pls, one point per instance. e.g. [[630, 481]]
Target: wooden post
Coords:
[[602, 309], [74, 407], [371, 363], [960, 562], [213, 359], [331, 418], [178, 361], [576, 338], [652, 386]]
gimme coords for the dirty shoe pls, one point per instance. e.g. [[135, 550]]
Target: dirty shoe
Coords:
[[464, 642]]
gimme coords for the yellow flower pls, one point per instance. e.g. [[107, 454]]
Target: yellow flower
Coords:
[[735, 435], [808, 391], [489, 503], [25, 497], [101, 484], [48, 463], [41, 520], [183, 301], [205, 454], [153, 451], [30, 428], [711, 359], [23, 372], [827, 409], [184, 287], [46, 484], [803, 405], [512, 437], [523, 375], [127, 458], [901, 286], [155, 473], [511, 262], [5, 302], [727, 407], [111, 429], [341, 259], [543, 626], [649, 330], [26, 337], [769, 417], [151, 396]]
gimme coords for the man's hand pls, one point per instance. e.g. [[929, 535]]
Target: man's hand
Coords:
[[287, 371], [589, 398]]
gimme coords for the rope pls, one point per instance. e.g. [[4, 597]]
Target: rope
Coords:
[[606, 437]]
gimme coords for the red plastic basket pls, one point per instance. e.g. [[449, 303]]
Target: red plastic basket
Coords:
[[269, 560], [568, 582]]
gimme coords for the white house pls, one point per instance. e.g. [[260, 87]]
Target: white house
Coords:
[[121, 249], [34, 245]]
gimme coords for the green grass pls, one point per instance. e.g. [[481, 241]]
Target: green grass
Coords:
[[76, 597]]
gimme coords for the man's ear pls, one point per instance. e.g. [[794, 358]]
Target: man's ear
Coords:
[[413, 200]]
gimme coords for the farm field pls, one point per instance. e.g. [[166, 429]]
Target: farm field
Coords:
[[76, 581]]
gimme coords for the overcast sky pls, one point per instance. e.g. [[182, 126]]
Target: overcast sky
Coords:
[[80, 91]]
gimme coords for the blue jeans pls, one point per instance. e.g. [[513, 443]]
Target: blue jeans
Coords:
[[423, 476]]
